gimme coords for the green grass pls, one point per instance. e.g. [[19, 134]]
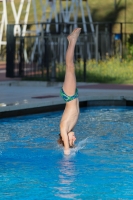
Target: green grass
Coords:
[[109, 71]]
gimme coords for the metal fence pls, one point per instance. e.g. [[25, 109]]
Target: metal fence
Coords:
[[42, 56]]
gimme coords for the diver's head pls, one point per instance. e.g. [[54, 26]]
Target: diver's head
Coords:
[[60, 141]]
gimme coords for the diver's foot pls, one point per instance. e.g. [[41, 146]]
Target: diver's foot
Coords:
[[74, 35]]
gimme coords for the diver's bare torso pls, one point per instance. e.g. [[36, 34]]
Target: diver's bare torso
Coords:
[[70, 115]]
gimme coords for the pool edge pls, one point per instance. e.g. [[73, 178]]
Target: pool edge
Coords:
[[60, 106]]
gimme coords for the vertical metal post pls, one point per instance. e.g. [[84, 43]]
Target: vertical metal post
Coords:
[[121, 40], [96, 41], [53, 71], [21, 55], [84, 69], [85, 43], [10, 51], [110, 37], [46, 59], [125, 19]]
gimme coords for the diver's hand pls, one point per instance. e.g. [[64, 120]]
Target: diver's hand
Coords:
[[72, 138], [67, 151]]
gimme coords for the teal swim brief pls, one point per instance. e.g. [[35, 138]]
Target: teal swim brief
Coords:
[[68, 98]]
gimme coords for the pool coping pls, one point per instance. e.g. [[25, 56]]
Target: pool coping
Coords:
[[34, 97], [51, 105]]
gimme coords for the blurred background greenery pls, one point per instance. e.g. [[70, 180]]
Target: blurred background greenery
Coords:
[[110, 70]]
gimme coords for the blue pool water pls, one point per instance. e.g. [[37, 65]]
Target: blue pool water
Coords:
[[33, 167]]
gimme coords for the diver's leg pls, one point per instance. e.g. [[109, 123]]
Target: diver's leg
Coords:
[[69, 85]]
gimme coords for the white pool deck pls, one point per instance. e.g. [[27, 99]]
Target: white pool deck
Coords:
[[17, 95]]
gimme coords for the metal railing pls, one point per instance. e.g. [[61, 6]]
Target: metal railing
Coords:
[[41, 56]]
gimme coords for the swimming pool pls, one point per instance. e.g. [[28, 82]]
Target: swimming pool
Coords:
[[32, 165]]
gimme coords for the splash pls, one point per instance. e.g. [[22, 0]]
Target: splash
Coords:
[[79, 146]]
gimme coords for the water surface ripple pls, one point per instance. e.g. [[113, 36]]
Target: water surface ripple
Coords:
[[33, 167]]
